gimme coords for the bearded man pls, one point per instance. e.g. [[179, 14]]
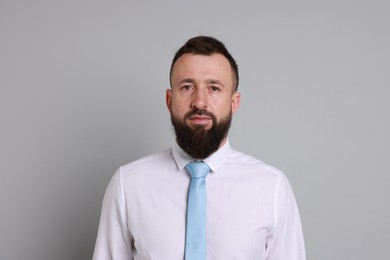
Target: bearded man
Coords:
[[200, 199]]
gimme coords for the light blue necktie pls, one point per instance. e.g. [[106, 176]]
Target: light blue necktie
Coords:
[[196, 212]]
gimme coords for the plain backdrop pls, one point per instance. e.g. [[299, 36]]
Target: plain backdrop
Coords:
[[82, 91]]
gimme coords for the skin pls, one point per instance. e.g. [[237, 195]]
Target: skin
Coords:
[[202, 82]]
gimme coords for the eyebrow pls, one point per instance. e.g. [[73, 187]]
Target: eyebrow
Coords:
[[210, 81], [188, 80], [215, 81]]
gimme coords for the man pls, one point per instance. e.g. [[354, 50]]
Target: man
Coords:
[[240, 208]]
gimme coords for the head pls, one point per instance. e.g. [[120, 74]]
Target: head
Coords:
[[205, 45], [203, 95]]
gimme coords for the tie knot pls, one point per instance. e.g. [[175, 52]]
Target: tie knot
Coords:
[[198, 169]]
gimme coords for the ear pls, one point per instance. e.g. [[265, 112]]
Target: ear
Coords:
[[168, 98], [236, 98]]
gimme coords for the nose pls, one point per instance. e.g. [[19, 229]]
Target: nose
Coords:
[[199, 99]]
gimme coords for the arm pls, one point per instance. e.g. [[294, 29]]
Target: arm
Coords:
[[114, 240], [286, 241]]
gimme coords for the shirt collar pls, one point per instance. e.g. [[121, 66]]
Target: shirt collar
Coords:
[[214, 161]]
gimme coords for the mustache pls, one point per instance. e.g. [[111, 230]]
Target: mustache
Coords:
[[199, 112]]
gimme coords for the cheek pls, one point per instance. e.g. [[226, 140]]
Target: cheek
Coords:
[[223, 108], [178, 108]]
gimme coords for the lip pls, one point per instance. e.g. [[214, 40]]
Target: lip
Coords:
[[200, 119]]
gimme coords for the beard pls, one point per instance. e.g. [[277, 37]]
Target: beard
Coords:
[[197, 141]]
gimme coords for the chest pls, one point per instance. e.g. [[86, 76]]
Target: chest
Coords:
[[239, 219]]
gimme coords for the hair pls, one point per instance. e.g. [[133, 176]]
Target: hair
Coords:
[[206, 45]]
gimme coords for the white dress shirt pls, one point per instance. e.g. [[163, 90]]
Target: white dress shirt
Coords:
[[251, 210]]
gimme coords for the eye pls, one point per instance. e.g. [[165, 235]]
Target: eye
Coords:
[[187, 87], [215, 88]]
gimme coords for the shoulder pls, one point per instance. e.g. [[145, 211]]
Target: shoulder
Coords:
[[248, 161], [155, 157], [148, 163], [261, 172]]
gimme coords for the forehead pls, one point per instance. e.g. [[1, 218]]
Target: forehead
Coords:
[[202, 67]]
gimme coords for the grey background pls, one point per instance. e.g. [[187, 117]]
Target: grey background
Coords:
[[83, 92]]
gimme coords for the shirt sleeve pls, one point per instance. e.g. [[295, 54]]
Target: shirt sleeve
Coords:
[[114, 240], [286, 240]]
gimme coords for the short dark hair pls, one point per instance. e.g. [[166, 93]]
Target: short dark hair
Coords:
[[206, 45]]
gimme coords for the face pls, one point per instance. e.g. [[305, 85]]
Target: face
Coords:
[[202, 93]]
